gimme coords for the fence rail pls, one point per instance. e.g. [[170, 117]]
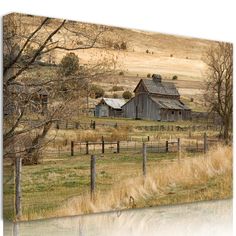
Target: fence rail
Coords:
[[65, 124], [74, 148]]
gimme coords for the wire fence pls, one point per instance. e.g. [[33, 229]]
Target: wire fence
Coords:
[[70, 125], [74, 148]]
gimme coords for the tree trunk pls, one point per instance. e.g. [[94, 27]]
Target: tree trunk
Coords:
[[226, 129], [32, 153]]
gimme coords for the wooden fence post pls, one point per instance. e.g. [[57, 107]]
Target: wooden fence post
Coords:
[[76, 125], [87, 147], [92, 175], [118, 146], [167, 146], [103, 146], [205, 142], [144, 159], [18, 168], [148, 138], [57, 125], [179, 149], [72, 148], [16, 231]]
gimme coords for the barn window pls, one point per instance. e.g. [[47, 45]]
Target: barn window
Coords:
[[180, 112], [172, 112]]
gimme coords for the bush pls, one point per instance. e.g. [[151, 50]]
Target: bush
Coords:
[[123, 46], [148, 75], [121, 73], [117, 88], [147, 51], [127, 95], [97, 91], [116, 46], [69, 64], [191, 99], [115, 95], [175, 77]]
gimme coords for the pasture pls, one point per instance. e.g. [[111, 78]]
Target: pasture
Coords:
[[61, 182]]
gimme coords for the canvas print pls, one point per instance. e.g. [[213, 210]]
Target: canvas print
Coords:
[[100, 118]]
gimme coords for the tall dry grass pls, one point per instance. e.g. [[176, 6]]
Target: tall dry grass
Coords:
[[161, 182]]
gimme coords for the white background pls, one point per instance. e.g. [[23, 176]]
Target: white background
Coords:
[[198, 18]]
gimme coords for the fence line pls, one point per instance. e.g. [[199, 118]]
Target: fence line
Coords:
[[158, 146], [65, 124]]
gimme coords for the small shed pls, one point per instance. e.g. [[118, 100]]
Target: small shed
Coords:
[[109, 107]]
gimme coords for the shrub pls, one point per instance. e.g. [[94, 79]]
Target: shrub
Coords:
[[127, 95], [97, 91], [69, 64], [148, 75], [175, 77], [115, 95], [121, 73], [147, 51], [116, 46], [117, 88], [191, 99], [123, 46]]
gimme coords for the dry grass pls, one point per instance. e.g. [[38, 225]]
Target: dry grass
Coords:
[[188, 177]]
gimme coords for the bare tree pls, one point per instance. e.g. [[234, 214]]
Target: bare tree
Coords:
[[219, 84], [28, 42]]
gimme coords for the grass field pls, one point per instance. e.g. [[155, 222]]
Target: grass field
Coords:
[[61, 186]]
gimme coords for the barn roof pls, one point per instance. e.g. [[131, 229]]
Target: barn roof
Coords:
[[167, 103], [115, 103], [157, 87]]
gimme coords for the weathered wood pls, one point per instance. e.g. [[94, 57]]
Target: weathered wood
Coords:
[[94, 125], [144, 159], [18, 168], [179, 148], [16, 231], [92, 176], [72, 148], [76, 125], [87, 147], [103, 146], [205, 142], [118, 146], [167, 146], [57, 125]]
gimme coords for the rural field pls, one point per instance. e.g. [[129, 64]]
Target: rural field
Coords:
[[100, 118], [60, 184]]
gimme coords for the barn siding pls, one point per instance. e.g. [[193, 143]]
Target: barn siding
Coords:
[[149, 110], [101, 111], [142, 107]]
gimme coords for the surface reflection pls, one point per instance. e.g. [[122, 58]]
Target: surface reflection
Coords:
[[203, 218]]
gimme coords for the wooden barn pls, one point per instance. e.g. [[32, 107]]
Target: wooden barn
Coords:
[[109, 107], [156, 100]]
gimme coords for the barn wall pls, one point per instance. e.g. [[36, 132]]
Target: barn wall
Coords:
[[142, 107], [175, 115], [101, 111], [115, 112]]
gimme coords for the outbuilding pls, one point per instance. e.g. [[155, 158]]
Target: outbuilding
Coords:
[[109, 107]]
